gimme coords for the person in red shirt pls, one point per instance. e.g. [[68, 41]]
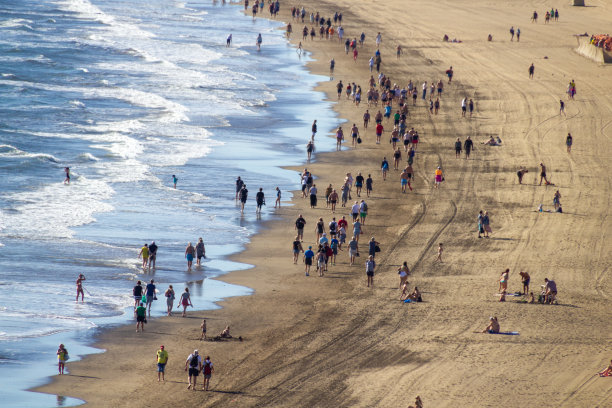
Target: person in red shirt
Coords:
[[379, 132]]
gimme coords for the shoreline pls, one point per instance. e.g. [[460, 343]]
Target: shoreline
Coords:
[[336, 327]]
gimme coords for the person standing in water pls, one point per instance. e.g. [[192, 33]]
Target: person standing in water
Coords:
[[189, 253], [244, 193], [278, 198], [174, 180], [228, 42], [152, 255], [67, 171], [79, 287], [200, 251], [260, 199], [259, 41], [144, 254]]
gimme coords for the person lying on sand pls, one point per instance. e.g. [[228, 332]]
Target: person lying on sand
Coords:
[[492, 141], [493, 327], [225, 334]]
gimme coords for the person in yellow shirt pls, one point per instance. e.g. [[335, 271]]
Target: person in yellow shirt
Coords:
[[162, 360], [144, 253]]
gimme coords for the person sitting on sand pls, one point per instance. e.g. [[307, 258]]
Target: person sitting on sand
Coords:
[[225, 334], [415, 295], [493, 327], [531, 298], [418, 403], [607, 372]]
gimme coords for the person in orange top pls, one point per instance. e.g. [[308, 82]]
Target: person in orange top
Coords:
[[439, 177]]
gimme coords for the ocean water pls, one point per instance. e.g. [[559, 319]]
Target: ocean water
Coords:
[[127, 93]]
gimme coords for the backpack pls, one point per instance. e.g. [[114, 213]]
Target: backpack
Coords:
[[207, 370], [365, 206], [194, 361]]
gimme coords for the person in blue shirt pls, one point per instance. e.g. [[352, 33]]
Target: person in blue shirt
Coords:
[[388, 111], [308, 255], [150, 295], [334, 246]]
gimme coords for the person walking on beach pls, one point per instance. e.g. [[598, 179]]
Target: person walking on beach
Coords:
[[194, 365], [137, 293], [200, 251], [458, 145], [480, 225], [207, 370], [525, 278], [152, 255], [278, 198], [384, 167], [534, 17], [141, 316], [370, 265], [185, 300], [405, 180], [313, 196], [260, 200], [332, 65], [189, 255], [169, 294], [67, 171], [531, 70], [239, 184], [300, 222], [244, 194], [150, 295], [310, 147], [297, 248], [468, 145], [339, 138], [518, 34], [79, 287], [503, 281], [259, 41], [449, 74], [561, 107], [440, 250], [543, 174], [308, 257], [162, 359], [314, 128], [512, 33], [557, 200], [439, 177], [569, 140], [62, 357], [144, 254], [486, 224], [203, 329]]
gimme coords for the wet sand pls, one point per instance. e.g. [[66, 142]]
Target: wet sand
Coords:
[[333, 342]]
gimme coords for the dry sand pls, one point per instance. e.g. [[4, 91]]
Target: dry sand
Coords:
[[331, 341]]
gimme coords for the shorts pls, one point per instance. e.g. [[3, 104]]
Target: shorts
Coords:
[[207, 376], [352, 253], [463, 108], [335, 251], [296, 251], [140, 319], [161, 367], [193, 372], [363, 214], [543, 174], [370, 273], [308, 261], [300, 231], [526, 282], [395, 139], [378, 134], [406, 142], [332, 201], [138, 298], [404, 182], [189, 257]]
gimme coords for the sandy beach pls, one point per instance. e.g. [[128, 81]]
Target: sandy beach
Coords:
[[332, 341]]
